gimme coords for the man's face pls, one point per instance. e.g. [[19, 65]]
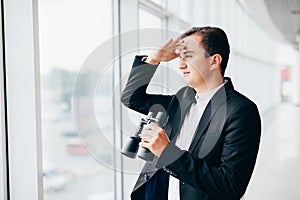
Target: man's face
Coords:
[[194, 64]]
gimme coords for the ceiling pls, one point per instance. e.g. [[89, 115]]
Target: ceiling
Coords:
[[280, 18], [286, 16]]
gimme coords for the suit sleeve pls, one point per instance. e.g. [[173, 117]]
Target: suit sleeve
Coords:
[[229, 179], [135, 97]]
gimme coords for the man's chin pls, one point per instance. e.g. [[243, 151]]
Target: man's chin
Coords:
[[189, 83]]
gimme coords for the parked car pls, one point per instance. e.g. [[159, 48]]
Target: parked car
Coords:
[[76, 147], [55, 179], [69, 133]]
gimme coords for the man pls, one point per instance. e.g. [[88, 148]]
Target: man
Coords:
[[208, 148]]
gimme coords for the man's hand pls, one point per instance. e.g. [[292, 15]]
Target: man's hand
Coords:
[[165, 53], [154, 138]]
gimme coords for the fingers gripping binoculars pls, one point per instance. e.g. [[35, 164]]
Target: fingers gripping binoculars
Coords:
[[131, 148]]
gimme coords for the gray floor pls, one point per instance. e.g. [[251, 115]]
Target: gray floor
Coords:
[[277, 172]]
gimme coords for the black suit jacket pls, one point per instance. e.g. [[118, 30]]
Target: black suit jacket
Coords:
[[222, 155]]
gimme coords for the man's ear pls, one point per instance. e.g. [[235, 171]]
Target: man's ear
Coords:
[[216, 60]]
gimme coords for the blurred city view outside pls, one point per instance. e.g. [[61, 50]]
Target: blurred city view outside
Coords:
[[81, 120], [80, 131], [79, 144], [70, 170]]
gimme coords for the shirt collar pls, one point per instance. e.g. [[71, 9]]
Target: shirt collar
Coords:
[[208, 95]]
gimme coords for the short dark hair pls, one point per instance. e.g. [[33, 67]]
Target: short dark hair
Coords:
[[214, 42]]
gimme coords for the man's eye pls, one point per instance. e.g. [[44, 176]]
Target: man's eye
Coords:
[[185, 56]]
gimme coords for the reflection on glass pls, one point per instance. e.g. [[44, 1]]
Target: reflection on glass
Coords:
[[69, 32]]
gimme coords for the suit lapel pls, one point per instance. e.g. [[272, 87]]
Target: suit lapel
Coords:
[[214, 104]]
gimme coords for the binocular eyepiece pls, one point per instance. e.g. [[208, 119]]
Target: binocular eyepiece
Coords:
[[131, 148]]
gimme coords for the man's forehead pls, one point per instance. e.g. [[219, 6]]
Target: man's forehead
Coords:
[[193, 41]]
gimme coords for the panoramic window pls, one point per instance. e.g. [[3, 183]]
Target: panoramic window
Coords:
[[70, 32]]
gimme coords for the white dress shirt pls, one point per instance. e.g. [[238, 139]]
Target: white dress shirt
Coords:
[[188, 129]]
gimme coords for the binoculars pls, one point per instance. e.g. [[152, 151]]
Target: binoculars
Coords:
[[131, 148]]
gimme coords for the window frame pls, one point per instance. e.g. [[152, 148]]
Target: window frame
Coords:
[[3, 130], [23, 119]]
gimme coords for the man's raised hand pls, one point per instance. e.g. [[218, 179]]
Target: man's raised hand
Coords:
[[167, 52]]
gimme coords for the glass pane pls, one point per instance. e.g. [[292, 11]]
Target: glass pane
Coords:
[[184, 10], [149, 20], [70, 34]]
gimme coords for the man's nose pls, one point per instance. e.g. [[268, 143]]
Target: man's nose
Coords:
[[182, 64]]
